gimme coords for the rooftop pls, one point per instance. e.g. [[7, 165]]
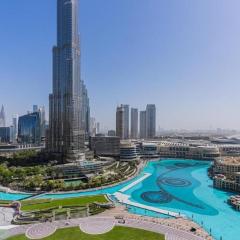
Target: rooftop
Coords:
[[230, 160]]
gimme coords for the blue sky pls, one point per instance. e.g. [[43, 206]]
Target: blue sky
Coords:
[[183, 55]]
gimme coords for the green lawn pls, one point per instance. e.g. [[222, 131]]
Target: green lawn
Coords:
[[33, 205], [4, 202], [118, 233], [72, 182]]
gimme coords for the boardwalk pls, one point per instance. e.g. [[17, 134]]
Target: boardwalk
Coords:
[[40, 231], [101, 225], [97, 225], [170, 233], [6, 216], [146, 175], [124, 199]]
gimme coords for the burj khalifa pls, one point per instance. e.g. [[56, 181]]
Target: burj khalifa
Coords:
[[68, 103]]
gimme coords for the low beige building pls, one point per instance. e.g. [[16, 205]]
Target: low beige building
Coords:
[[180, 150]]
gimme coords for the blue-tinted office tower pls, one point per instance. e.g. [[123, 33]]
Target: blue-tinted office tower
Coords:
[[68, 101], [151, 121], [2, 117], [35, 108], [15, 128], [5, 133], [29, 128]]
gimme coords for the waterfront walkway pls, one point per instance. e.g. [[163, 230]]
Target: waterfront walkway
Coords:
[[124, 199], [146, 175], [172, 228], [101, 225], [40, 231], [6, 216], [95, 225]]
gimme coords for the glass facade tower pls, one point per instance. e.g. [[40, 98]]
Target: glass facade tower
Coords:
[[2, 117], [134, 123], [120, 122], [29, 128], [151, 120], [126, 120], [143, 126], [67, 110]]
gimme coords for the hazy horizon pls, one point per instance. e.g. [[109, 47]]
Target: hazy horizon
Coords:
[[184, 56]]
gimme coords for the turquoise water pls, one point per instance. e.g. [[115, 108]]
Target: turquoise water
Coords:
[[13, 196], [183, 186], [175, 185]]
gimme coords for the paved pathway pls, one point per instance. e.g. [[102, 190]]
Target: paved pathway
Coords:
[[95, 225], [146, 175], [40, 231], [180, 224], [123, 198], [170, 233], [6, 216], [99, 225], [173, 229]]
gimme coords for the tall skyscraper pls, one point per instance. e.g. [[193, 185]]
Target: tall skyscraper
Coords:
[[29, 128], [35, 108], [15, 127], [143, 126], [120, 122], [43, 120], [98, 127], [85, 109], [93, 129], [2, 117], [151, 120], [134, 123], [126, 120], [67, 113], [5, 134]]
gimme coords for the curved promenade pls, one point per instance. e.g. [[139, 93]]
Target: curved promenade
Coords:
[[40, 231], [101, 225], [97, 225], [124, 199]]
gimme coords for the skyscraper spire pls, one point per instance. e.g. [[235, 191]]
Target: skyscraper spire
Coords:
[[2, 117], [66, 110]]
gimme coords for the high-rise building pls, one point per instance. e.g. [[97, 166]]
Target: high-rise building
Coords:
[[98, 127], [151, 120], [15, 127], [69, 106], [92, 126], [134, 123], [126, 120], [43, 120], [111, 133], [5, 134], [2, 117], [42, 113], [105, 146], [85, 109], [35, 108], [29, 128], [143, 126], [120, 122]]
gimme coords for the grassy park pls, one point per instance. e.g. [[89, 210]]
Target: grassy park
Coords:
[[118, 233], [42, 210], [43, 204]]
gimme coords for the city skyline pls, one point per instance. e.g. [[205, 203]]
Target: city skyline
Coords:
[[134, 128], [195, 75]]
